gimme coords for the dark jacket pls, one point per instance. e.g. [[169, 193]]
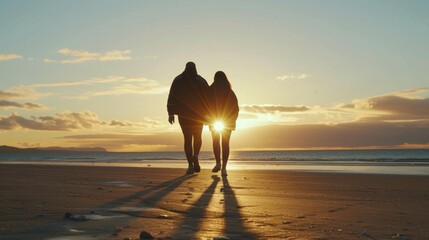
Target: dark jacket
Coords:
[[223, 107], [188, 97]]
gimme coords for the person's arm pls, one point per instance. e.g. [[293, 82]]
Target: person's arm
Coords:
[[172, 102]]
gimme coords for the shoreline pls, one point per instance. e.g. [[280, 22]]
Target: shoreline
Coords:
[[350, 168], [120, 202]]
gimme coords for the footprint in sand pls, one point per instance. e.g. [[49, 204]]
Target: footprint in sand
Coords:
[[336, 210], [304, 216]]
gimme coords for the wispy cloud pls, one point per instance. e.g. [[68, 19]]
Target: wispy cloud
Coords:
[[109, 79], [123, 85], [22, 92], [6, 57], [130, 142], [59, 122], [48, 60], [10, 104], [273, 108], [5, 102], [8, 94], [67, 121], [117, 85], [143, 86], [293, 76], [80, 56]]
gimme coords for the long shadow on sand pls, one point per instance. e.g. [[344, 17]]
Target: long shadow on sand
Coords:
[[162, 188], [234, 226], [195, 215]]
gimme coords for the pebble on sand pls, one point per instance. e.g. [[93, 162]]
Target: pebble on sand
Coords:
[[145, 235], [365, 234], [400, 236], [41, 214], [75, 217]]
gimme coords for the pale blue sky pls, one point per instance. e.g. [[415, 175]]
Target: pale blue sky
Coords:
[[348, 49]]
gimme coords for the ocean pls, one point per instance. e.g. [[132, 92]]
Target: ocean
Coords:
[[389, 161]]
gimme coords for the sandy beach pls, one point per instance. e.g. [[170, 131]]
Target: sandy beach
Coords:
[[121, 202]]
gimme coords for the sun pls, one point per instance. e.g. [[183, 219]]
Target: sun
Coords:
[[219, 126]]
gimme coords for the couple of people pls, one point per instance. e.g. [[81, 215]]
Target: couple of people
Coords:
[[196, 103]]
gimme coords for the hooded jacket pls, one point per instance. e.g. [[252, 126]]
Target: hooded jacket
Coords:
[[188, 97]]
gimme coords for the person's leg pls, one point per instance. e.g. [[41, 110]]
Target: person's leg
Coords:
[[196, 133], [226, 135], [216, 150], [187, 135]]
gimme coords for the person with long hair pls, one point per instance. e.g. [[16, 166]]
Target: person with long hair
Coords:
[[223, 116], [188, 100]]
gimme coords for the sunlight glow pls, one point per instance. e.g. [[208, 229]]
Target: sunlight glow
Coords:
[[219, 126]]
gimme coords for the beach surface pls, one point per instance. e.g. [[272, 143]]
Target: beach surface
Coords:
[[84, 202]]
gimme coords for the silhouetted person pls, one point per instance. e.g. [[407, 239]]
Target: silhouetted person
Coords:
[[187, 99], [223, 113]]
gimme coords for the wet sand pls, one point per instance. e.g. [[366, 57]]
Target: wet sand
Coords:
[[120, 202]]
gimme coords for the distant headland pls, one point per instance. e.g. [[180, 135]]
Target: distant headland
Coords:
[[9, 149]]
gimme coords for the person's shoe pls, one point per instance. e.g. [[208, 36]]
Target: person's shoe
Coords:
[[197, 167], [216, 168], [224, 173], [190, 169]]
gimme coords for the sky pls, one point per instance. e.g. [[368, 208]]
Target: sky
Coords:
[[307, 74]]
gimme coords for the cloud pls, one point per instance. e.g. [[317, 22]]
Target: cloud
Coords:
[[118, 85], [22, 92], [130, 142], [143, 86], [397, 119], [403, 105], [59, 122], [48, 60], [9, 104], [294, 76], [67, 121], [120, 123], [345, 135], [126, 85], [273, 108], [6, 57], [6, 103], [80, 56], [29, 145], [307, 136], [109, 79], [8, 95], [123, 85], [408, 105]]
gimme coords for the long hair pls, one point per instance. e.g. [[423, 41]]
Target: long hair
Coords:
[[221, 82], [223, 100]]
